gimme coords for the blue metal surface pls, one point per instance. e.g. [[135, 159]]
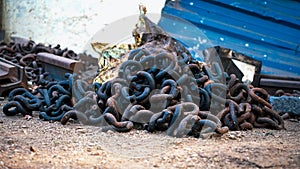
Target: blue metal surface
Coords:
[[267, 30]]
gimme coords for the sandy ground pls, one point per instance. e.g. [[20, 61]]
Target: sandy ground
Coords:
[[40, 144]]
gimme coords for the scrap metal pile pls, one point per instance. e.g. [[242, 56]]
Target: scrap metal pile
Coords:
[[48, 96], [23, 52], [158, 87]]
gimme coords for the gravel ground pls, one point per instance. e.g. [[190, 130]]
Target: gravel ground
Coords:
[[39, 144]]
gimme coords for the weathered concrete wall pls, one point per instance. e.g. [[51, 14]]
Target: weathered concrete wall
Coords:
[[1, 20], [70, 23]]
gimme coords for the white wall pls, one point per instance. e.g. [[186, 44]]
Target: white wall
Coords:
[[70, 23]]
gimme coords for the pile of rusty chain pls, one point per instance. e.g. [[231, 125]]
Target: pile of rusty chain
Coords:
[[52, 100], [248, 107], [24, 54], [49, 97], [155, 90], [280, 92]]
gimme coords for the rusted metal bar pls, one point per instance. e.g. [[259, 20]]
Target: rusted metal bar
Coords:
[[274, 82], [11, 76], [57, 65], [7, 71]]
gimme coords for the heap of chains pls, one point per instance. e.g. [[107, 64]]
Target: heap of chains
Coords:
[[45, 95], [159, 87], [24, 54]]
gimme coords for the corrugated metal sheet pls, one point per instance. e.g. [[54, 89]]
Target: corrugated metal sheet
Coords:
[[266, 30]]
